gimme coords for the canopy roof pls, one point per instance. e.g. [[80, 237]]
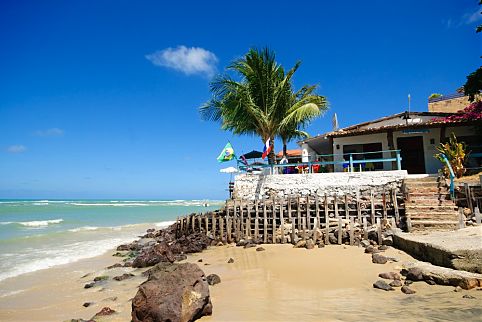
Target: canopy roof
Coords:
[[253, 155]]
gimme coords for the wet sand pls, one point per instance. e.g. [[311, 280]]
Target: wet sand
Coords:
[[280, 284]]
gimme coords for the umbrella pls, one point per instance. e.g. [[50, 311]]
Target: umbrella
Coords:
[[229, 170], [252, 155]]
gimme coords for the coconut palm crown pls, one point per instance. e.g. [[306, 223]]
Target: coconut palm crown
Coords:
[[262, 102]]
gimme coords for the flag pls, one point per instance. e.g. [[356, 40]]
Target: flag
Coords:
[[266, 149], [227, 153], [334, 122]]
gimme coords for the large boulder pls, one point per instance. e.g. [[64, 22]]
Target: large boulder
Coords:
[[173, 292], [152, 255]]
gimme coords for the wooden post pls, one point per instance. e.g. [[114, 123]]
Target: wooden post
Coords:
[[303, 220], [347, 210], [206, 222], [193, 224], [308, 217], [365, 228], [298, 209], [395, 207], [461, 218], [340, 230], [273, 228], [248, 226], [379, 231], [393, 223], [213, 228], [282, 225], [409, 224], [256, 223], [241, 213], [372, 208], [200, 222], [327, 221], [477, 216], [384, 204], [335, 202], [228, 229], [469, 197], [358, 206], [180, 226], [221, 229], [247, 223], [265, 224], [293, 223], [317, 212], [352, 231]]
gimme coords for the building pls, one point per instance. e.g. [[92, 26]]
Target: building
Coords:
[[415, 134]]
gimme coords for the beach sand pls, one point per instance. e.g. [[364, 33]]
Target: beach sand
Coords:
[[279, 284]]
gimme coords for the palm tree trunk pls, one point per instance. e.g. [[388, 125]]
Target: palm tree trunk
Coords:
[[271, 155], [285, 147]]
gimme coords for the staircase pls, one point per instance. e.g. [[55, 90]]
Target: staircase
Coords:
[[428, 206]]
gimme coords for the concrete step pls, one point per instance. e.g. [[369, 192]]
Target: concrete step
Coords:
[[426, 179], [441, 217], [430, 194], [424, 184], [432, 208], [430, 203], [420, 225], [433, 190]]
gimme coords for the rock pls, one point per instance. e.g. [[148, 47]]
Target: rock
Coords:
[[87, 304], [387, 241], [213, 279], [114, 266], [457, 289], [231, 260], [370, 250], [153, 255], [260, 249], [123, 277], [310, 244], [382, 285], [101, 278], [180, 257], [321, 245], [415, 274], [396, 283], [373, 235], [220, 244], [382, 248], [390, 276], [408, 282], [104, 312], [332, 239], [379, 259], [241, 243], [300, 244], [467, 296], [317, 235], [89, 285], [364, 243], [250, 245], [407, 290], [430, 282], [200, 260], [173, 292]]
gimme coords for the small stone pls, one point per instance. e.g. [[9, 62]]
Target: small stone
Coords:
[[231, 260], [123, 277], [87, 304], [415, 274], [390, 276], [430, 282], [241, 243], [379, 259], [467, 296], [408, 282], [220, 244], [396, 283], [457, 289], [260, 249], [300, 244], [206, 264], [213, 279], [200, 260], [89, 285], [104, 312], [383, 247], [250, 245], [388, 241], [364, 243], [101, 278], [321, 245], [407, 290], [310, 244], [114, 266], [382, 285], [370, 249]]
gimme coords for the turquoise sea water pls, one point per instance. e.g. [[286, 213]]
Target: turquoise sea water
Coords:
[[38, 234]]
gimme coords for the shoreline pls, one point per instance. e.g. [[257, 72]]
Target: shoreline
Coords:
[[280, 283]]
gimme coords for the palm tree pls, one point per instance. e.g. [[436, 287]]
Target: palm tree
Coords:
[[262, 102]]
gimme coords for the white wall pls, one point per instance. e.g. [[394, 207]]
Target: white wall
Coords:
[[250, 186], [307, 154]]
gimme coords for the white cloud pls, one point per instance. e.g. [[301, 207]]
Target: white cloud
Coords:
[[16, 148], [472, 17], [50, 132], [194, 60]]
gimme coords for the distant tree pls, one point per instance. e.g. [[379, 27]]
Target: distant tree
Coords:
[[434, 95], [261, 102]]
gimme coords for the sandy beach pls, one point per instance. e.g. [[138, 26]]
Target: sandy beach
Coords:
[[282, 283]]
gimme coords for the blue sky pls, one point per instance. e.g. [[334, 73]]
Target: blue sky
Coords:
[[99, 99]]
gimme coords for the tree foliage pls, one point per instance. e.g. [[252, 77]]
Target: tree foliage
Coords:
[[262, 102], [456, 154]]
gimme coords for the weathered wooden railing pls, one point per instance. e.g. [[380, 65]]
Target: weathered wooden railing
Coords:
[[289, 219]]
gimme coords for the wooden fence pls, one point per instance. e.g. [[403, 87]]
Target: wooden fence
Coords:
[[289, 219]]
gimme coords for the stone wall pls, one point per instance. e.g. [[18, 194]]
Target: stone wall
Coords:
[[249, 186], [452, 105]]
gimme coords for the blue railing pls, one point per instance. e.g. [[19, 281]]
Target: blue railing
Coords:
[[337, 159], [451, 174]]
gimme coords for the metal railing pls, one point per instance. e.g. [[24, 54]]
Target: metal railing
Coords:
[[451, 175], [337, 159], [445, 97]]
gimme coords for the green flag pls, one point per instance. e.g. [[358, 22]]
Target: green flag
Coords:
[[227, 153]]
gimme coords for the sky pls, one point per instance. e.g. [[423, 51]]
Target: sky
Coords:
[[99, 99]]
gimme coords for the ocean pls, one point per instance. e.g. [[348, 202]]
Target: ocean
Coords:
[[38, 234]]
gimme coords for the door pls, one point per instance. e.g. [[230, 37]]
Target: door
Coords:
[[411, 151]]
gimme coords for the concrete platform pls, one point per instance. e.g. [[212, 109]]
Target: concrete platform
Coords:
[[460, 249]]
